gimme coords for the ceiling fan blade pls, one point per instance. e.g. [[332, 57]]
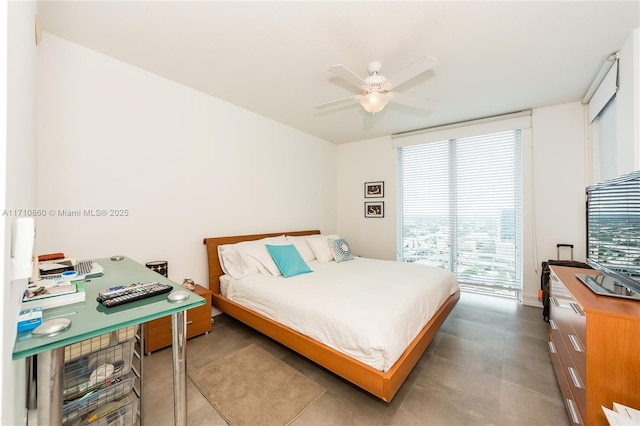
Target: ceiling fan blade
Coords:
[[411, 101], [338, 102], [347, 75], [413, 70]]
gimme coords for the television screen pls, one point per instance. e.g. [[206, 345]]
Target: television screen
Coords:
[[613, 228]]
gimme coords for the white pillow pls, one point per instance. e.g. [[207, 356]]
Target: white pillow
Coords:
[[320, 247], [260, 259], [249, 257], [256, 257], [230, 263], [300, 243]]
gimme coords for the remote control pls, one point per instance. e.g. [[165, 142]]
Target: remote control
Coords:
[[121, 290], [130, 293]]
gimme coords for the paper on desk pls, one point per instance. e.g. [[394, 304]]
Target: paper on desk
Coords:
[[96, 269], [622, 415], [633, 414], [54, 283], [48, 283], [61, 288]]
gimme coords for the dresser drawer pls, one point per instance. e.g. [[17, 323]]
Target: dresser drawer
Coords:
[[565, 320], [571, 399], [575, 372], [160, 337], [200, 312], [607, 330], [158, 332], [160, 322], [196, 328], [192, 314]]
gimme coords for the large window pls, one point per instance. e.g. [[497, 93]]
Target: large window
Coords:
[[460, 208]]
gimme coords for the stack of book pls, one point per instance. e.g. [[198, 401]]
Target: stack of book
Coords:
[[58, 281], [48, 293], [58, 269]]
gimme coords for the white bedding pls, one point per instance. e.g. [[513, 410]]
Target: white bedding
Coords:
[[368, 309]]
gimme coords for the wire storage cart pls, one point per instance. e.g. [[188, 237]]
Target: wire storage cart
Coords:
[[88, 323], [102, 380]]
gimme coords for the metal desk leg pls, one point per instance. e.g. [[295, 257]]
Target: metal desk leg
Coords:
[[179, 348], [49, 387]]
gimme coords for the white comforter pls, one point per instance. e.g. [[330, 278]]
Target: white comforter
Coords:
[[368, 309]]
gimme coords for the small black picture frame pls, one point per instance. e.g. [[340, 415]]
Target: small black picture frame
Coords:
[[374, 189], [374, 209]]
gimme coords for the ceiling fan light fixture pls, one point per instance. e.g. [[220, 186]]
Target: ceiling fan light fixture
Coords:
[[374, 101]]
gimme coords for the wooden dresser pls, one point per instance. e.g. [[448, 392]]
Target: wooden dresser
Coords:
[[157, 333], [595, 347]]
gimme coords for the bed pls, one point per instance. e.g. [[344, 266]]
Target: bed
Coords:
[[382, 376]]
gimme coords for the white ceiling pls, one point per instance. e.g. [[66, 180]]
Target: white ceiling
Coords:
[[271, 57]]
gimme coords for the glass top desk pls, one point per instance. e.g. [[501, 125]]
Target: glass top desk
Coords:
[[91, 319]]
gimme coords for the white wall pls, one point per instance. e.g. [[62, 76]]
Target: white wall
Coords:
[[559, 176], [554, 202], [182, 164], [359, 162], [20, 193], [4, 228]]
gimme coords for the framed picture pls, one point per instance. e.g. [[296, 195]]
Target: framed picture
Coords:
[[374, 189], [374, 209]]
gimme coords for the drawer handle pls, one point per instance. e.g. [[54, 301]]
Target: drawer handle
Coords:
[[188, 323], [575, 343], [575, 378], [573, 411], [552, 347], [554, 302], [553, 325], [577, 309]]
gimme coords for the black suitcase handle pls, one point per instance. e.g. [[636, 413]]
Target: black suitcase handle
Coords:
[[564, 245]]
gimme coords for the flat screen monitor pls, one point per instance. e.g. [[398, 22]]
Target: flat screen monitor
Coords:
[[613, 229]]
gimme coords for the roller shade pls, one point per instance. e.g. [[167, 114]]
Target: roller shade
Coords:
[[483, 126], [605, 91]]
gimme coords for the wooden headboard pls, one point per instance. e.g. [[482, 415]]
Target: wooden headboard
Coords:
[[215, 270]]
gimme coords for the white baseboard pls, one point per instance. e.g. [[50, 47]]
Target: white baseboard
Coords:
[[531, 301]]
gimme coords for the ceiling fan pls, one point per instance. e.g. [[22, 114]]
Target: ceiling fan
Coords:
[[375, 90]]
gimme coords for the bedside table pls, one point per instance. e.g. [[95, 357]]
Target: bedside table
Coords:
[[157, 333]]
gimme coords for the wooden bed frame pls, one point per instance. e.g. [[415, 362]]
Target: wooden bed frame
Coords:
[[384, 385]]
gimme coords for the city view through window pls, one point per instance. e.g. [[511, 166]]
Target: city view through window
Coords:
[[461, 210]]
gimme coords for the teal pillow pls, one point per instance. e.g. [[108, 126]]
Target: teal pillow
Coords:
[[288, 260]]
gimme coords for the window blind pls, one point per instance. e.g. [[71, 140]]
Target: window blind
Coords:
[[460, 207], [613, 224]]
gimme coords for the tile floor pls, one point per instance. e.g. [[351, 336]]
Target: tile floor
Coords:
[[488, 365]]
